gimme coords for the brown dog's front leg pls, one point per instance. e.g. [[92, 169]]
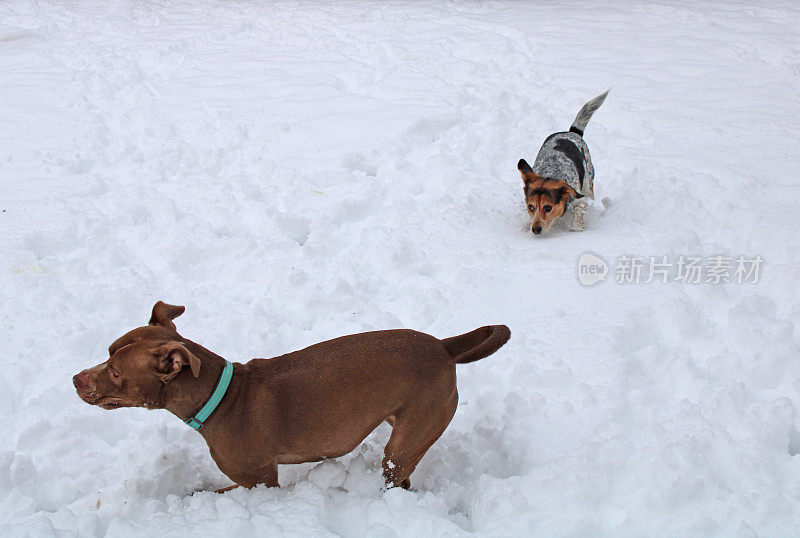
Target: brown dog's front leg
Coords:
[[268, 475]]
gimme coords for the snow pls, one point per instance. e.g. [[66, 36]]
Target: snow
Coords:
[[292, 172]]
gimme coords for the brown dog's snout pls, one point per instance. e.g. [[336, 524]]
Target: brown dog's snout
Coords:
[[83, 383], [79, 382], [536, 229]]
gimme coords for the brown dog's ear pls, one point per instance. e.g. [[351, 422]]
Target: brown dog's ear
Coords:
[[526, 171], [171, 358], [164, 313]]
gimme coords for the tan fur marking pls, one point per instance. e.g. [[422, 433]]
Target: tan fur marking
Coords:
[[546, 200]]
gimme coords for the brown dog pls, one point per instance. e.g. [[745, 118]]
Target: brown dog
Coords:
[[316, 403]]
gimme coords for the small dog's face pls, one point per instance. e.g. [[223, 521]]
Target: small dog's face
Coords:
[[140, 365], [546, 199]]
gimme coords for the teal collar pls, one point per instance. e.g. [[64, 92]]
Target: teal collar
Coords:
[[199, 419]]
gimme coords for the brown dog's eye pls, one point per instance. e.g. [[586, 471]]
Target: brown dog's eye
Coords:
[[531, 208], [114, 375], [547, 208]]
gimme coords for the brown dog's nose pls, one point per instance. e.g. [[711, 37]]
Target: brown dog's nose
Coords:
[[79, 381], [537, 230]]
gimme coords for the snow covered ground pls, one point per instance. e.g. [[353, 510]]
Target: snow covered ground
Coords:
[[292, 172]]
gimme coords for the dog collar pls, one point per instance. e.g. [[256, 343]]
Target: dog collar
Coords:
[[199, 419]]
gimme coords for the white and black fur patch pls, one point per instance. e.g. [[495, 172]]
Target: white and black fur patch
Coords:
[[565, 156]]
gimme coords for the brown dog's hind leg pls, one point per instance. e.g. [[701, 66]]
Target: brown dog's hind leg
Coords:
[[413, 433]]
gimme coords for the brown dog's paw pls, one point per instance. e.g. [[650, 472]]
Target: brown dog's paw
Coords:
[[388, 484], [223, 490]]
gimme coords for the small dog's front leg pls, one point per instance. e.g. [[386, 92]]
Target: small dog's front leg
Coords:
[[578, 209]]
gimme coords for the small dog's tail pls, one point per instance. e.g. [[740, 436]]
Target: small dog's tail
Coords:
[[583, 117], [477, 344]]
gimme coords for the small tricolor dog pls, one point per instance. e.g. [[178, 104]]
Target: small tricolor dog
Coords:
[[319, 402], [561, 175]]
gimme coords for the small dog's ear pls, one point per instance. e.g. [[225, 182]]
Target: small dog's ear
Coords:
[[171, 358], [526, 171], [572, 192], [164, 313]]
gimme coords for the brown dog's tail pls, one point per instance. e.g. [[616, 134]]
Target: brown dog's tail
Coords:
[[477, 344]]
